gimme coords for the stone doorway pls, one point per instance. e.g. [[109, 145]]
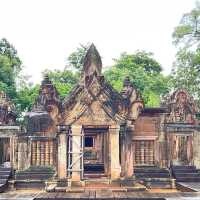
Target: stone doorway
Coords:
[[4, 150], [96, 150], [182, 149]]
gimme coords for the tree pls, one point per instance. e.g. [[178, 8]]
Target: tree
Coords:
[[75, 59], [10, 66], [188, 30], [185, 73], [144, 72], [64, 80], [186, 68], [25, 98]]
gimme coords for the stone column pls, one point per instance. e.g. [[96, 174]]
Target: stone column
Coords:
[[29, 153], [76, 150], [115, 168], [196, 149], [42, 150], [51, 148], [129, 152], [15, 150], [38, 153], [47, 153], [22, 154], [160, 152], [11, 151], [62, 155], [34, 155]]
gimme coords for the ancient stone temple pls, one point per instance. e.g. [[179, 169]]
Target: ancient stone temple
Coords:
[[99, 135]]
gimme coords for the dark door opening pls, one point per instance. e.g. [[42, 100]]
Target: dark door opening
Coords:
[[4, 150], [182, 149], [95, 151]]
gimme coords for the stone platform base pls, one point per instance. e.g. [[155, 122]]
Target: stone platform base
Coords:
[[111, 188]]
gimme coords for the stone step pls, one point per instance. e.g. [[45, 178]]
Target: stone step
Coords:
[[189, 175], [5, 169], [33, 176], [185, 171], [31, 184], [97, 181], [188, 179], [183, 167], [145, 170], [4, 176], [152, 175], [5, 172], [94, 175], [34, 172]]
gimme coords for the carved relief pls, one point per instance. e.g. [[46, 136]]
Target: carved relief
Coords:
[[7, 110], [182, 107], [119, 107], [131, 99], [45, 113]]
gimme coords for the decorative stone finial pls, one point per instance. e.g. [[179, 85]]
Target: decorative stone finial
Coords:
[[92, 62], [46, 80]]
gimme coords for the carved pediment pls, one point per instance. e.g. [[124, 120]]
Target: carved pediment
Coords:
[[94, 89], [182, 107]]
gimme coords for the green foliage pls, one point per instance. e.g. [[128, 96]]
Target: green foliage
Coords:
[[10, 67], [7, 76], [75, 59], [10, 52], [144, 72], [188, 32], [26, 97], [141, 59], [186, 72], [64, 81], [186, 68]]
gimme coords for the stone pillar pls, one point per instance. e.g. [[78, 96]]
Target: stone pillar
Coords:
[[196, 149], [15, 150], [76, 149], [29, 153], [42, 150], [51, 150], [34, 153], [12, 157], [47, 153], [62, 155], [38, 153], [161, 148], [115, 168], [22, 154], [129, 152]]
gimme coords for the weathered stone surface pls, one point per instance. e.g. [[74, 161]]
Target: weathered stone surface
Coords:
[[7, 110]]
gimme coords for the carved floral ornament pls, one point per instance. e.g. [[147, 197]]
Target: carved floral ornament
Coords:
[[182, 107]]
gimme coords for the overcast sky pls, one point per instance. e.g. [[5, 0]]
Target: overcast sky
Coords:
[[45, 32]]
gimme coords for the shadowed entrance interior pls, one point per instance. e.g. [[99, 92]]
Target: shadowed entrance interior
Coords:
[[95, 151]]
